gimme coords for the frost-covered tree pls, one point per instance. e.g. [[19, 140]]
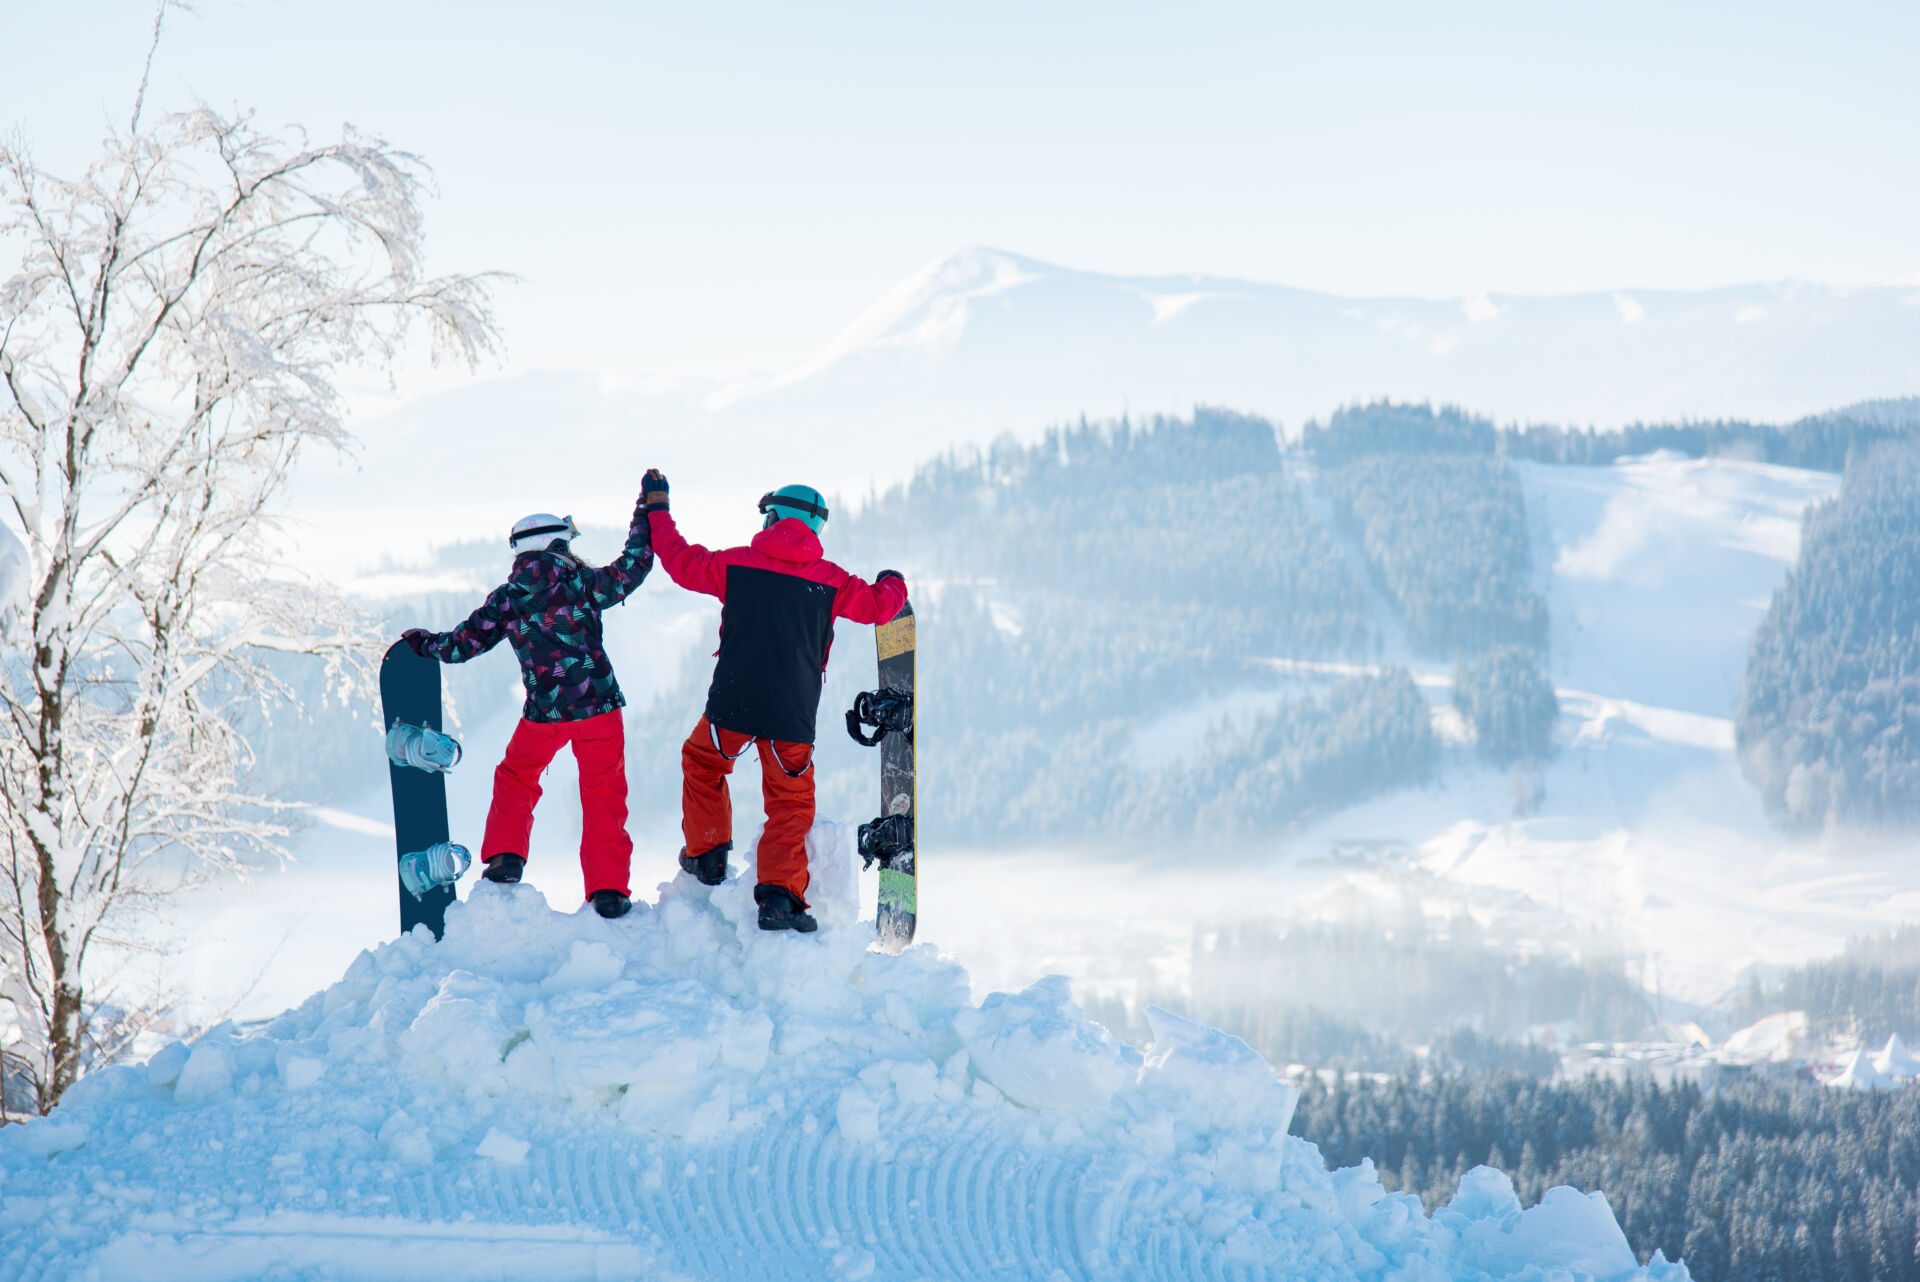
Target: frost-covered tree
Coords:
[[170, 324]]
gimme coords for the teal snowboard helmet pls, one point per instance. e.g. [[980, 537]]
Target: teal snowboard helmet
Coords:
[[802, 502]]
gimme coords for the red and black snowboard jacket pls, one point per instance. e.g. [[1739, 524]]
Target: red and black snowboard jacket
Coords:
[[779, 598], [549, 609]]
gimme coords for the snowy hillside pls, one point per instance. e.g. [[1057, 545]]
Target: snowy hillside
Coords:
[[1650, 850], [985, 342], [677, 1095], [1649, 840]]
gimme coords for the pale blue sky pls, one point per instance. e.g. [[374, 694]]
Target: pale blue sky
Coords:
[[715, 187]]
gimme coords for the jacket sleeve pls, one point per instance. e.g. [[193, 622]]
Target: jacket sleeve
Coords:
[[614, 582], [484, 629], [865, 602], [691, 566]]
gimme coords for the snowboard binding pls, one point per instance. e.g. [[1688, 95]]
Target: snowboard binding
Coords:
[[422, 748], [885, 839], [888, 711]]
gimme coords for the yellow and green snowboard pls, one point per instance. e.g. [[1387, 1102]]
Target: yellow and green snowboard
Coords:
[[889, 839]]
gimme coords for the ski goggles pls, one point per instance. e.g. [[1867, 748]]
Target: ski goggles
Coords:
[[770, 500], [566, 529]]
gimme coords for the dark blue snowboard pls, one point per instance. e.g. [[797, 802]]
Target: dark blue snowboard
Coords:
[[410, 692]]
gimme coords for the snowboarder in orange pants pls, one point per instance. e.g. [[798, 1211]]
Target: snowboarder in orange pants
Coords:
[[779, 597]]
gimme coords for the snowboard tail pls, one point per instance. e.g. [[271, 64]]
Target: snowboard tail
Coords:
[[891, 839], [410, 693]]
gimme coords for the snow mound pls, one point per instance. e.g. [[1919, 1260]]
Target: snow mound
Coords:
[[676, 1094]]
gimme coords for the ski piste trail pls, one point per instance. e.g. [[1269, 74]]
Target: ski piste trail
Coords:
[[678, 1095]]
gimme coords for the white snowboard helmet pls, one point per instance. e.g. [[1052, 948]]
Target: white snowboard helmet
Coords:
[[541, 530]]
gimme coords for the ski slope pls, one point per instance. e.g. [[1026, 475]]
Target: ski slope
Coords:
[[678, 1095]]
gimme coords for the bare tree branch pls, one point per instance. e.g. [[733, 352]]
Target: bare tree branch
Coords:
[[168, 345]]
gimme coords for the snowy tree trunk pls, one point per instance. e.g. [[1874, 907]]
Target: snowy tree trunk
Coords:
[[167, 348]]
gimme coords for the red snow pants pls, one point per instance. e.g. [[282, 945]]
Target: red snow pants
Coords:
[[600, 749], [786, 784]]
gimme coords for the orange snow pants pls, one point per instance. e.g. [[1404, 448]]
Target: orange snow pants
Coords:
[[786, 783], [600, 748]]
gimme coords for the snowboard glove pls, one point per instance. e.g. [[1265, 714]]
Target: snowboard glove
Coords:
[[654, 490], [417, 640], [889, 574]]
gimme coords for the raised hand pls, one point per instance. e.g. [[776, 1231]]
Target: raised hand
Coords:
[[654, 490]]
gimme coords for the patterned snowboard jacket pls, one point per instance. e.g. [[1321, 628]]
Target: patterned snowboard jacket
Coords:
[[549, 611]]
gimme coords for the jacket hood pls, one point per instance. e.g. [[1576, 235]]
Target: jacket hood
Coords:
[[788, 540], [523, 584]]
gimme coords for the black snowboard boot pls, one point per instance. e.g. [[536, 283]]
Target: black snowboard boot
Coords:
[[779, 910], [505, 868], [710, 868], [611, 903]]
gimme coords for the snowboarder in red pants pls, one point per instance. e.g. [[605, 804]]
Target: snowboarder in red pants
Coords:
[[779, 598], [549, 611]]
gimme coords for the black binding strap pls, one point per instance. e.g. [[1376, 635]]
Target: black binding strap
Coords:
[[887, 711]]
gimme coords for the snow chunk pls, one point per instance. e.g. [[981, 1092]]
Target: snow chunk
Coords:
[[406, 1140], [163, 1070], [503, 1148], [1039, 1051], [589, 964], [1484, 1194], [857, 1114], [1567, 1230], [833, 869], [46, 1137], [208, 1072], [1223, 1081], [301, 1071], [460, 1032]]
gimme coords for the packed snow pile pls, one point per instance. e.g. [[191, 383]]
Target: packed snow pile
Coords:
[[676, 1094]]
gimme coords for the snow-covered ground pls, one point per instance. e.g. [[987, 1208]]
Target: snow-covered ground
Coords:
[[676, 1094]]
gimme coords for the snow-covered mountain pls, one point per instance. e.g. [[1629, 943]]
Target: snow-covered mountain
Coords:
[[677, 1095], [985, 342], [984, 333]]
